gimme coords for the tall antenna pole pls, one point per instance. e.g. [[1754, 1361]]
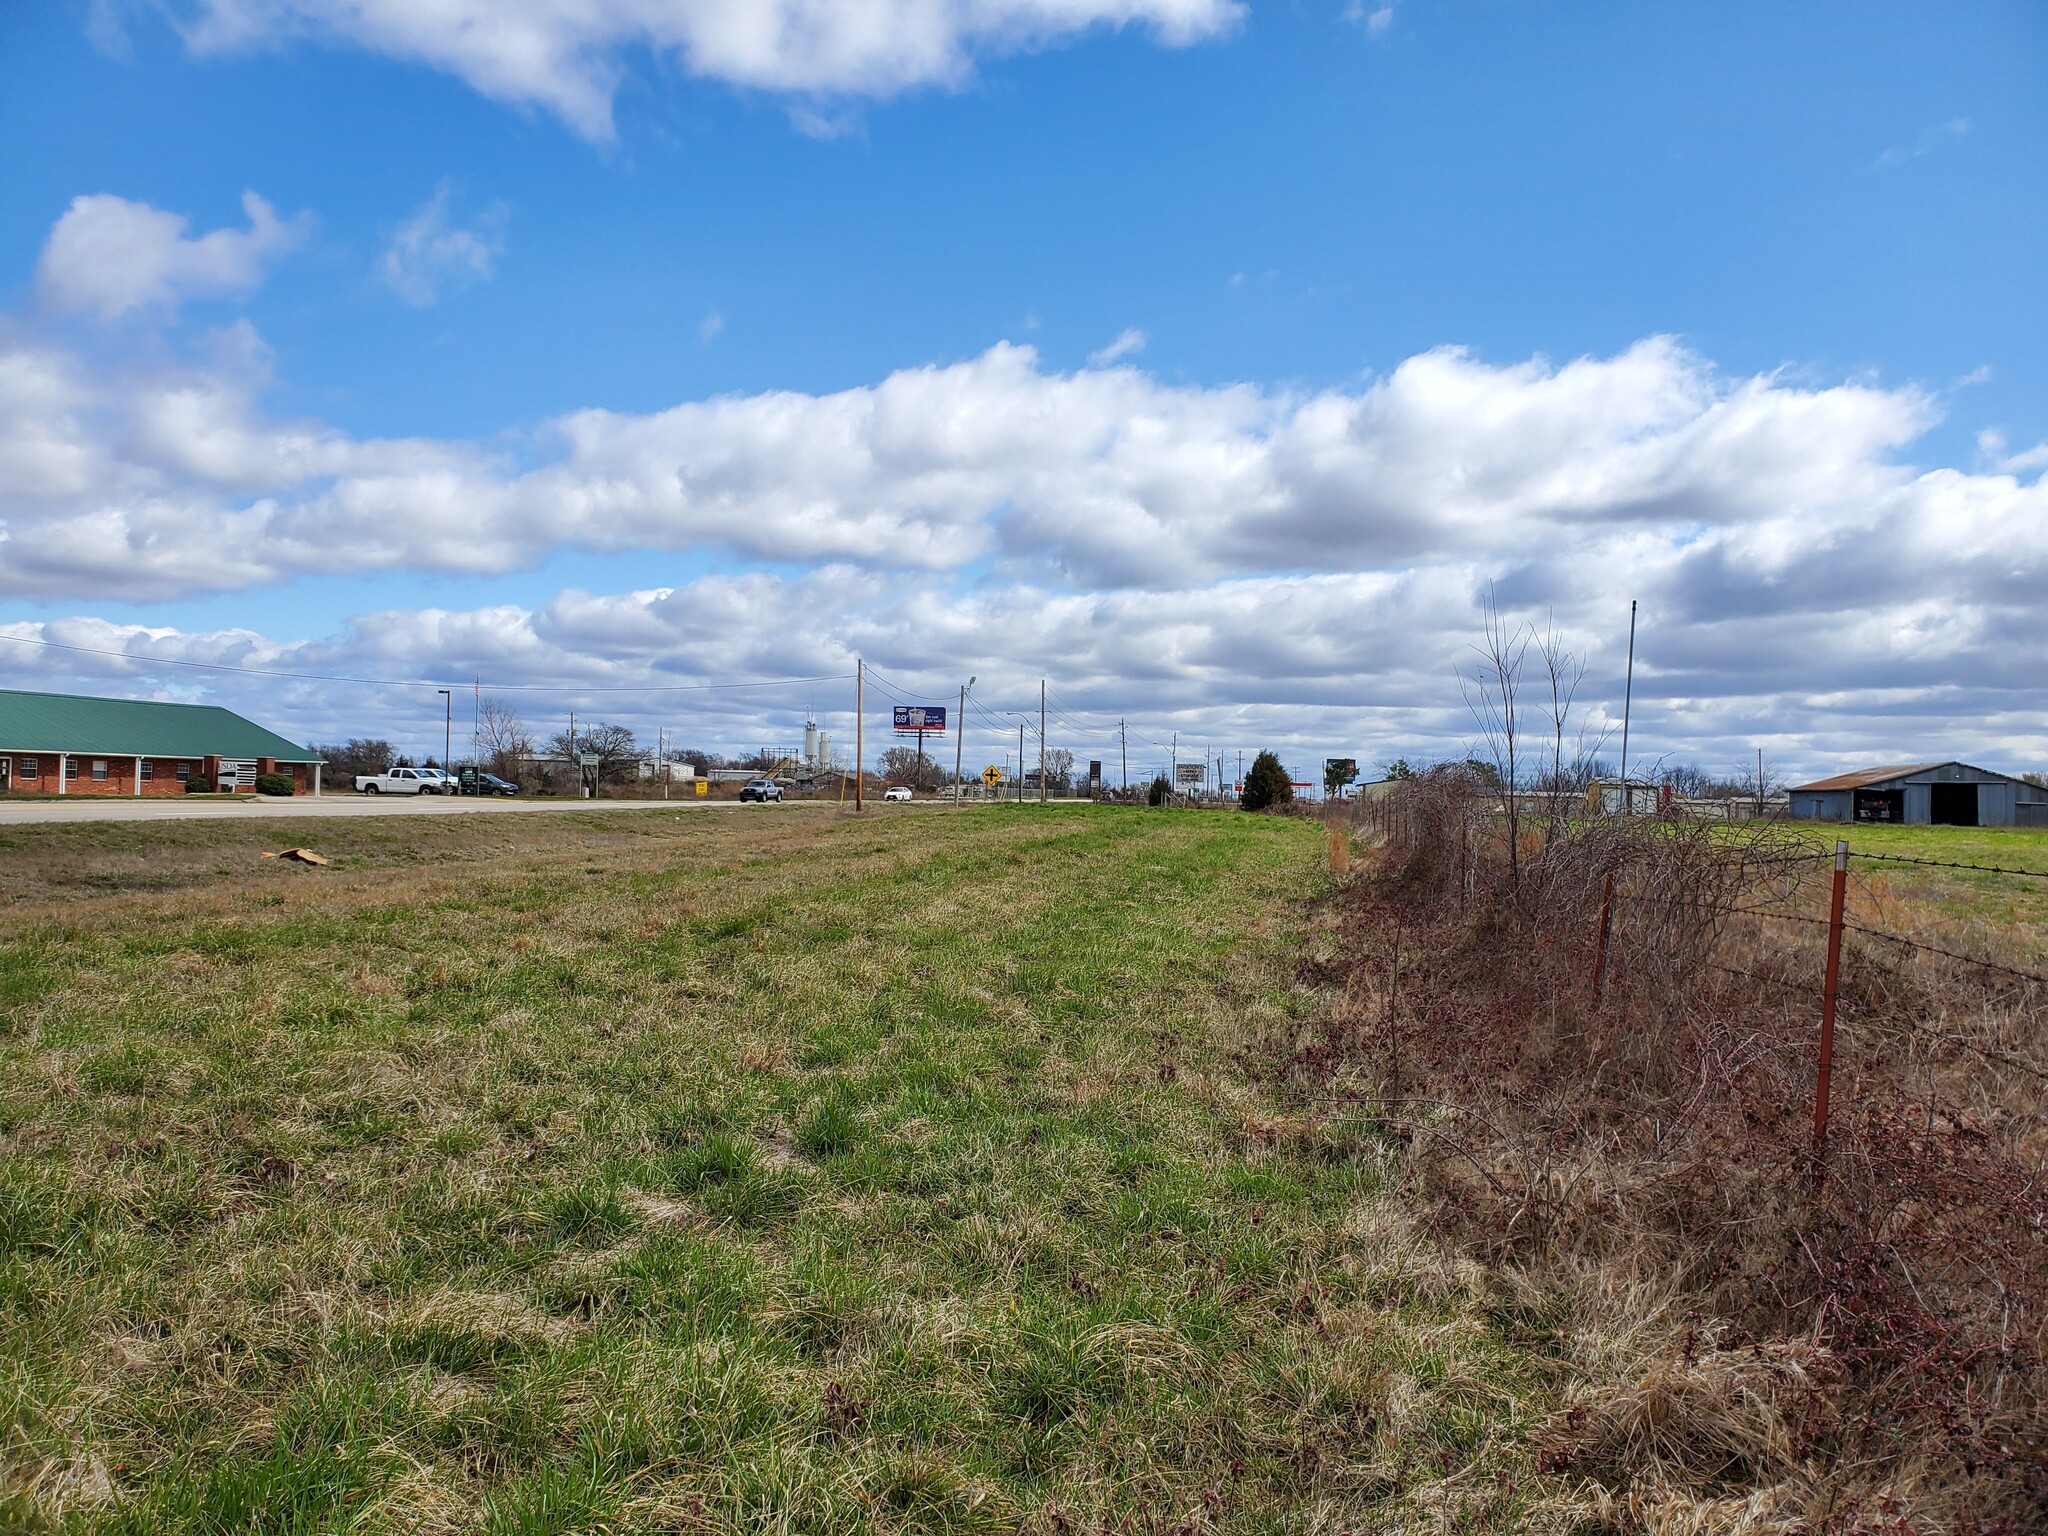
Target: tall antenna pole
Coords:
[[860, 749], [1627, 697], [1041, 741]]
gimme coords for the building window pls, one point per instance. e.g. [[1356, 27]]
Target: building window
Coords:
[[184, 772], [70, 767], [148, 770], [99, 768], [31, 767]]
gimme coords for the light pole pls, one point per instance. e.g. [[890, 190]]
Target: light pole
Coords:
[[447, 726], [960, 743]]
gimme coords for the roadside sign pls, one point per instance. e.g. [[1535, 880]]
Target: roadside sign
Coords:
[[1187, 773], [703, 788], [991, 775], [589, 759], [920, 719]]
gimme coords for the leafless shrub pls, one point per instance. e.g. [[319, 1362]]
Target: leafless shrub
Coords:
[[1639, 1144]]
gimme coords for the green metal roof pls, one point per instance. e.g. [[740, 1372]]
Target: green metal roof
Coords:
[[81, 726]]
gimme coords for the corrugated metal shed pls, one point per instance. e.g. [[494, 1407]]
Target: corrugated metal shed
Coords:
[[76, 723], [1942, 794]]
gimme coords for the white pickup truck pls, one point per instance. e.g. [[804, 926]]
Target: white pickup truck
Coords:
[[403, 781]]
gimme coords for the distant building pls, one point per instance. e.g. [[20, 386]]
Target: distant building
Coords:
[[1638, 797], [74, 744], [1923, 794]]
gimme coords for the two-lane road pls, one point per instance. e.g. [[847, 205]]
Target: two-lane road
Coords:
[[70, 808]]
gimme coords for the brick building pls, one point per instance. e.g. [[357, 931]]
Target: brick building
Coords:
[[70, 744]]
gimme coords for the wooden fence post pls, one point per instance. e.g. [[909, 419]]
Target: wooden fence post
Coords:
[[1600, 954], [1829, 991]]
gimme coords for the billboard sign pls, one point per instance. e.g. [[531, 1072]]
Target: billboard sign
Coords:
[[914, 718], [1188, 773]]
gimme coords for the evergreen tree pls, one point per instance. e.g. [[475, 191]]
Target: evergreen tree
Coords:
[[1266, 785]]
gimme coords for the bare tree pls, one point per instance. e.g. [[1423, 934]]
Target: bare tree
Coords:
[[502, 738], [905, 765], [1492, 689], [618, 754], [1059, 770], [359, 754]]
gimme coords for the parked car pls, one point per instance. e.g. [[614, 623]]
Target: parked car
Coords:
[[897, 792], [491, 784], [440, 782], [400, 781], [761, 789]]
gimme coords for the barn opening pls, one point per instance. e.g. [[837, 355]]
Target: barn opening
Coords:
[[1953, 805], [1880, 805]]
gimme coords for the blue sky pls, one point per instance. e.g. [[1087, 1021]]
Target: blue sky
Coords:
[[1831, 213]]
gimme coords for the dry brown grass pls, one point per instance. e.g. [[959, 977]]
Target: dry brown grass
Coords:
[[1740, 1346]]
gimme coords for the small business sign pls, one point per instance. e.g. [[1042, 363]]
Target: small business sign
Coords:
[[1187, 773], [589, 759], [920, 719]]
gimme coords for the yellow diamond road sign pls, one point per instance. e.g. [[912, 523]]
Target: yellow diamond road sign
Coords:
[[991, 775]]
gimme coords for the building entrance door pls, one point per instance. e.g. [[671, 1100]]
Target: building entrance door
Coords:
[[6, 774], [1953, 805]]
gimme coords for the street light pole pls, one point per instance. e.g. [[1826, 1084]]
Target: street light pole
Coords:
[[447, 727]]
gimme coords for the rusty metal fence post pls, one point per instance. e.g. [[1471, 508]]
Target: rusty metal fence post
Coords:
[[1824, 1076]]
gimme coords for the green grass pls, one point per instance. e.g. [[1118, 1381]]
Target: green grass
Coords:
[[781, 1173], [2013, 906]]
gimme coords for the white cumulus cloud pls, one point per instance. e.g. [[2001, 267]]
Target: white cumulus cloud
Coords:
[[1238, 560], [569, 56], [108, 256]]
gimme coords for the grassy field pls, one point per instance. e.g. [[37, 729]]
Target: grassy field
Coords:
[[766, 1172], [1946, 904]]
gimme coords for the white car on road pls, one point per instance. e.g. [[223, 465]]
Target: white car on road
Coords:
[[403, 781], [897, 792]]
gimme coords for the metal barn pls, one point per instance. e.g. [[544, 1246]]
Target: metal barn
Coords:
[[1924, 794]]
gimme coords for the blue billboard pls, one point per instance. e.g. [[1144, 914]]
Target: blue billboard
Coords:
[[920, 717]]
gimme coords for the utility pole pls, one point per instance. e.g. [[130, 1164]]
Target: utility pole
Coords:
[[447, 725], [1041, 741], [1020, 759], [1123, 746], [960, 744], [1627, 696], [1173, 766], [860, 751]]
